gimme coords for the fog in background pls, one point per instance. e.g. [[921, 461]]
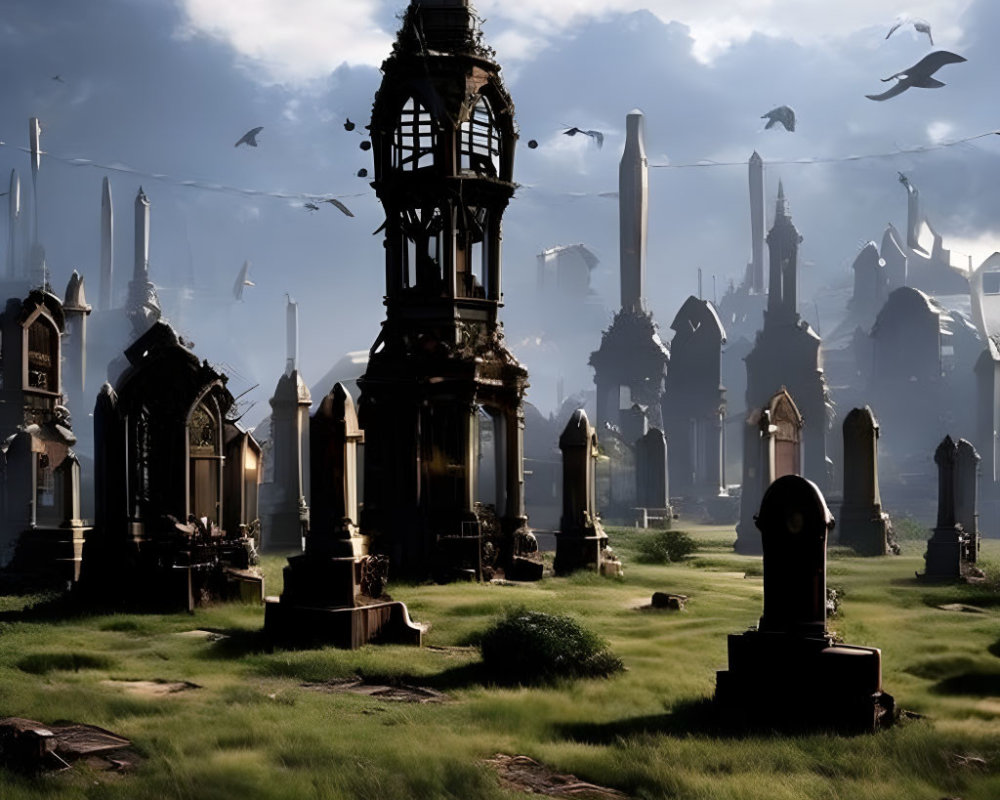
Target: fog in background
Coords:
[[164, 88]]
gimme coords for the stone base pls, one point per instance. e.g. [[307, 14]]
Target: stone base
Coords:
[[49, 556], [866, 531], [748, 541], [348, 628], [579, 550], [659, 518], [943, 558], [800, 682]]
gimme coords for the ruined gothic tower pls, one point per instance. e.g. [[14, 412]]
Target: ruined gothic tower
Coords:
[[442, 398]]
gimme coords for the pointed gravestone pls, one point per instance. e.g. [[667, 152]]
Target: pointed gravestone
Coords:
[[864, 526], [651, 481], [789, 672], [581, 541], [333, 593], [943, 559]]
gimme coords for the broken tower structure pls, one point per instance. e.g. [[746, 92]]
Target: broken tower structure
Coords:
[[442, 389]]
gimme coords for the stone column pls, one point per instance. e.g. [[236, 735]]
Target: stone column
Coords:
[[863, 524], [966, 497]]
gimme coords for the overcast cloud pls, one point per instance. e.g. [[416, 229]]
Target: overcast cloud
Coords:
[[167, 86]]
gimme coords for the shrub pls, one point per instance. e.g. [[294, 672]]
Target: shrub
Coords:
[[663, 547], [531, 647]]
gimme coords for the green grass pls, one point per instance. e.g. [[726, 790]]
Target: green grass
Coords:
[[253, 731]]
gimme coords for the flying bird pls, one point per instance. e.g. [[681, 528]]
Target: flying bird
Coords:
[[335, 202], [919, 25], [310, 207], [782, 114], [919, 75], [250, 137], [597, 136], [58, 78], [242, 281]]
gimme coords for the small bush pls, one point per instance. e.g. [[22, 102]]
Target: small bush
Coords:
[[531, 647], [664, 547]]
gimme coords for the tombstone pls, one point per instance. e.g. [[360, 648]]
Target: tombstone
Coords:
[[966, 498], [789, 672], [864, 526], [581, 541], [651, 483], [943, 560], [772, 447], [333, 592]]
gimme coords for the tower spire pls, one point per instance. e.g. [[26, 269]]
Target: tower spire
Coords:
[[107, 245], [756, 169]]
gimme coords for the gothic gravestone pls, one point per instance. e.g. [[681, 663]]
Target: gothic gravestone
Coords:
[[333, 592], [943, 559], [651, 481], [581, 541], [864, 526], [789, 672]]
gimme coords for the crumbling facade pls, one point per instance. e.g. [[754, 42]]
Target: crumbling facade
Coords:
[[694, 403], [41, 530], [443, 141]]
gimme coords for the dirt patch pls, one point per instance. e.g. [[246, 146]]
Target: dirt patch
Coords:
[[402, 693], [208, 636], [962, 607], [156, 688], [524, 774]]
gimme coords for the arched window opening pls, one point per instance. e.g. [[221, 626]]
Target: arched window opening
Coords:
[[43, 355], [472, 272], [422, 229], [414, 139], [204, 450], [479, 148]]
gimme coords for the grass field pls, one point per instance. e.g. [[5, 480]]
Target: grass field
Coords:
[[252, 730]]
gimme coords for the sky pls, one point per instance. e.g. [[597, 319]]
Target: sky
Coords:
[[156, 92]]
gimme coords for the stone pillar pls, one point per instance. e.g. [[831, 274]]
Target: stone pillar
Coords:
[[863, 524], [756, 223], [333, 592], [581, 537], [944, 549], [966, 498]]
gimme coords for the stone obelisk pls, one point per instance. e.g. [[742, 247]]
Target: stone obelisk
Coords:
[[13, 221], [756, 224], [107, 246], [633, 211]]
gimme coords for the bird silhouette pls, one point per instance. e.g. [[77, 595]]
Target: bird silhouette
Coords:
[[597, 136], [250, 137], [242, 281], [782, 114], [58, 79], [919, 25], [336, 203], [310, 207], [919, 75]]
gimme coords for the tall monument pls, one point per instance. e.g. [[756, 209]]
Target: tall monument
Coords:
[[286, 513], [631, 363], [442, 389], [143, 307], [107, 247], [756, 169]]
